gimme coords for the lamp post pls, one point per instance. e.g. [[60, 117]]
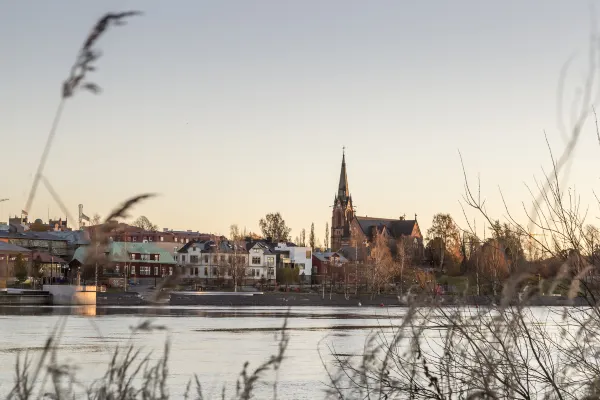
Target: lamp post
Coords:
[[96, 269]]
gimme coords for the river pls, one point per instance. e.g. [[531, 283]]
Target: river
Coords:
[[212, 342]]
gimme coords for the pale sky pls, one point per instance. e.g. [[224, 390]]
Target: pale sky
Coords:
[[233, 109]]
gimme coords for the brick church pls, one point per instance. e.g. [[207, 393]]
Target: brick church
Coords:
[[351, 233]]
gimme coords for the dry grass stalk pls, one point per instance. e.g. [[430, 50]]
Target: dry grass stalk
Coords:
[[84, 63]]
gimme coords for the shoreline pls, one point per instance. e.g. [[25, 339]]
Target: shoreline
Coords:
[[280, 299]]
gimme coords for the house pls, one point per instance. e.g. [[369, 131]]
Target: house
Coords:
[[135, 260], [294, 257], [8, 258], [215, 261], [327, 265], [166, 239], [37, 241], [262, 261], [48, 267], [75, 239]]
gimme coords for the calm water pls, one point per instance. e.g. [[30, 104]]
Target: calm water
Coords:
[[212, 342]]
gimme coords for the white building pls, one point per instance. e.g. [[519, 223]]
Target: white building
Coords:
[[296, 256], [262, 261], [210, 260]]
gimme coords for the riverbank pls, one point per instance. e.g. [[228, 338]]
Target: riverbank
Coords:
[[273, 299]]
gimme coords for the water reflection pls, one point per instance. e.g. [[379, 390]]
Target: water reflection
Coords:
[[323, 313], [85, 311]]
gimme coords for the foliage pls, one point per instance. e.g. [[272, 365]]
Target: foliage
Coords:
[[444, 239], [288, 275], [273, 226], [21, 272], [508, 240], [144, 223], [39, 227], [382, 263]]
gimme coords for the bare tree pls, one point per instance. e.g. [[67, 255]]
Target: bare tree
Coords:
[[381, 263], [311, 239], [96, 219], [404, 253], [326, 240]]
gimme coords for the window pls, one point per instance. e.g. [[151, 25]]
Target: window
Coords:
[[162, 239], [156, 271], [307, 254], [145, 257], [133, 270], [163, 271], [205, 271], [117, 268], [206, 259], [135, 238], [270, 261], [229, 259], [194, 259], [183, 259], [214, 272], [150, 239], [215, 259], [155, 257], [132, 256], [255, 260], [170, 270], [222, 258], [144, 270]]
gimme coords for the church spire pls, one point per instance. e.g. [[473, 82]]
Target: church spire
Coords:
[[343, 191]]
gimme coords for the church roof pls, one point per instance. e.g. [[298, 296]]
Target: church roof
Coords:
[[396, 227], [343, 190]]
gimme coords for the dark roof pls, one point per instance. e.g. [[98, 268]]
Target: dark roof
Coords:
[[73, 237], [12, 248], [45, 257], [203, 244], [396, 227], [32, 235], [326, 256]]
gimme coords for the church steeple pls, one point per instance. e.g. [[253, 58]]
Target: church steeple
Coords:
[[343, 211], [343, 190]]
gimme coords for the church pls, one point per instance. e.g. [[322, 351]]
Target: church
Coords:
[[351, 233]]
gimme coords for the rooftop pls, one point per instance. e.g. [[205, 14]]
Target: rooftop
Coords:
[[120, 251], [7, 247]]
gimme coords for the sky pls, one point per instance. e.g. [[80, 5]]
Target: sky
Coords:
[[233, 109]]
